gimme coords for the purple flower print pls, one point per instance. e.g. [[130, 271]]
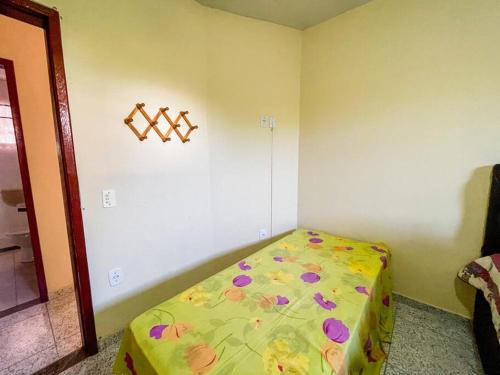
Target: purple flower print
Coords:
[[130, 364], [278, 259], [383, 259], [362, 290], [376, 248], [368, 350], [311, 233], [386, 301], [244, 266], [310, 277], [328, 305], [281, 300], [156, 331], [335, 330], [242, 280], [315, 240]]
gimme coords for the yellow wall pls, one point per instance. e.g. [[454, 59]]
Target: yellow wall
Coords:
[[399, 128], [25, 45], [181, 207]]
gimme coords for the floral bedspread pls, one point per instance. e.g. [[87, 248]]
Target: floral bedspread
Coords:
[[310, 303]]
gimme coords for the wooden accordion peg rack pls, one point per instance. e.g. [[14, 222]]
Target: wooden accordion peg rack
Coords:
[[173, 126]]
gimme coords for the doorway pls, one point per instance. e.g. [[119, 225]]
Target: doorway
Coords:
[[47, 20], [21, 268]]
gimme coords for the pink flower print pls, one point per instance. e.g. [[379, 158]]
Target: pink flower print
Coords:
[[327, 305], [378, 249], [310, 277], [281, 300], [362, 290], [156, 331], [278, 259], [335, 330], [315, 240], [383, 259], [386, 300], [241, 281], [244, 266]]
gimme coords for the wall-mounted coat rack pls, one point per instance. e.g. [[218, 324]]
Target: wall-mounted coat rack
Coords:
[[153, 124]]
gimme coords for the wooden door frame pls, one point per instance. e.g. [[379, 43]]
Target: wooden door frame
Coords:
[[48, 19], [8, 66]]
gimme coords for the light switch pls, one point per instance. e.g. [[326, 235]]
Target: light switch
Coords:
[[108, 198], [272, 122]]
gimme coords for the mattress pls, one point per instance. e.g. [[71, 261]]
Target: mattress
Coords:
[[310, 303]]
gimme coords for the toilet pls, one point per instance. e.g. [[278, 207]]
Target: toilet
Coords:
[[22, 238]]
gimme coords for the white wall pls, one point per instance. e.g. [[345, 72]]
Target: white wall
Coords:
[[399, 128], [181, 207]]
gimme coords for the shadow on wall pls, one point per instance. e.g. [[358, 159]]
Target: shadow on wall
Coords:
[[471, 232], [117, 316]]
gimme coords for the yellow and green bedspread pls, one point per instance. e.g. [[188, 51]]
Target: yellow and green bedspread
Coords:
[[310, 303]]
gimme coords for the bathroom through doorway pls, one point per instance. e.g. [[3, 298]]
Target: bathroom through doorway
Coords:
[[22, 276]]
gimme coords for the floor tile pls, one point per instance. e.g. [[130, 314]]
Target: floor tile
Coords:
[[64, 319], [24, 339], [423, 343], [100, 364], [33, 363], [67, 345], [7, 281], [24, 314], [450, 325], [26, 282]]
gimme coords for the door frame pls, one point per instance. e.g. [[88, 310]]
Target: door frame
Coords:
[[48, 19], [8, 66]]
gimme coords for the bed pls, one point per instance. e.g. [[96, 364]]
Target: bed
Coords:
[[486, 338], [310, 303]]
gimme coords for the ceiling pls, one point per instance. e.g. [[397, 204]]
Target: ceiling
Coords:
[[299, 14]]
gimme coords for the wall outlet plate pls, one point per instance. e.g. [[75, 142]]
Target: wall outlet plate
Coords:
[[115, 276], [262, 234], [264, 121], [108, 198]]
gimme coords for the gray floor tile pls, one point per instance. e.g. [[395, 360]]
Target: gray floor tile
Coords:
[[33, 363], [24, 339], [426, 341]]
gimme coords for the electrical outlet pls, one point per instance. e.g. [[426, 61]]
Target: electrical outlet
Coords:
[[264, 121], [108, 198], [262, 234], [115, 276]]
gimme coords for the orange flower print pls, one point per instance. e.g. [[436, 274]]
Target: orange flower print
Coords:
[[235, 294], [290, 259], [175, 331], [169, 332], [314, 246], [334, 356], [312, 267], [267, 302], [200, 358], [343, 248]]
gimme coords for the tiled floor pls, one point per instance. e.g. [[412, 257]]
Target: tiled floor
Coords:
[[35, 337], [17, 280], [425, 341]]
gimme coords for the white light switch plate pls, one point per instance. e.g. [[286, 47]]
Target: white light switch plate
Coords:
[[108, 198]]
